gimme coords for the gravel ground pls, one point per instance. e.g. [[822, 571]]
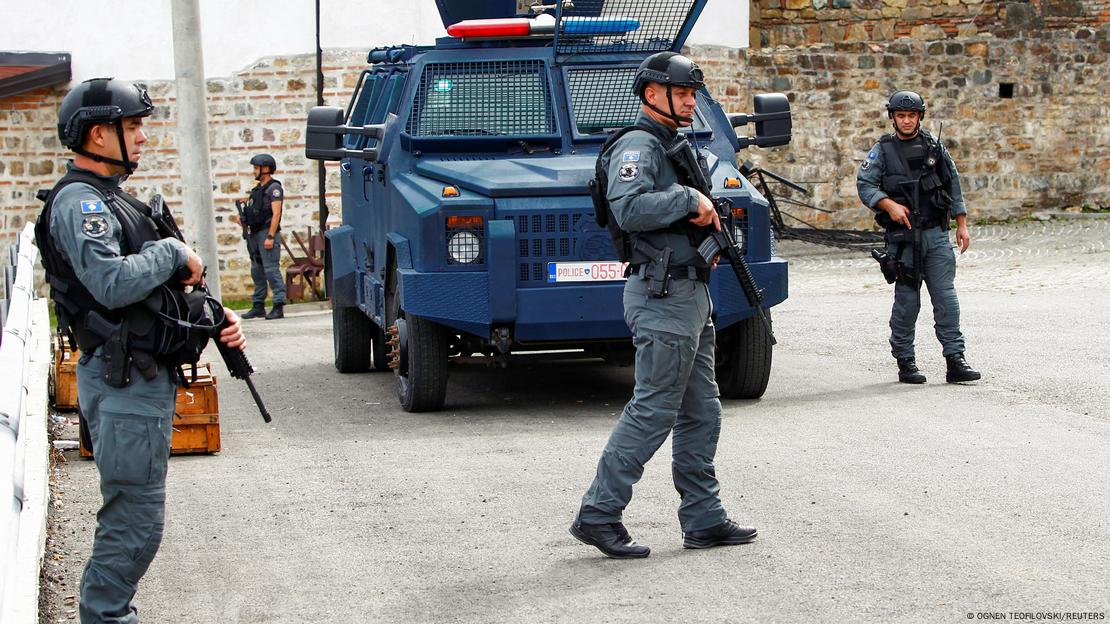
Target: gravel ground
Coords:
[[876, 501]]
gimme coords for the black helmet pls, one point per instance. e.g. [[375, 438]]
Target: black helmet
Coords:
[[264, 160], [668, 68], [905, 101], [96, 101], [673, 70]]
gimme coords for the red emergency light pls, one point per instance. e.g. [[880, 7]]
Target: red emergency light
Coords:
[[488, 28]]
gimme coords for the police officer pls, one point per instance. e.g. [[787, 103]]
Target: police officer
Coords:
[[103, 256], [907, 164], [676, 391], [263, 216]]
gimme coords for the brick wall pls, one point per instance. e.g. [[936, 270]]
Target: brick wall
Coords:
[[1046, 146], [261, 109]]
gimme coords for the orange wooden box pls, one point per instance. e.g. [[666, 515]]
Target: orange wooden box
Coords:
[[196, 419], [65, 375]]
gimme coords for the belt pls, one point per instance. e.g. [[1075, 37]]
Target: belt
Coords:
[[700, 274]]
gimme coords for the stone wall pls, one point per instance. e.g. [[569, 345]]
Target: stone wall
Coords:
[[261, 109], [1044, 146], [1020, 88]]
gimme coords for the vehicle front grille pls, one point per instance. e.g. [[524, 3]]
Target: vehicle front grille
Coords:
[[556, 236]]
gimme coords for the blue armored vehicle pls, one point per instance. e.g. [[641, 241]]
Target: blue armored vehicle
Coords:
[[468, 227]]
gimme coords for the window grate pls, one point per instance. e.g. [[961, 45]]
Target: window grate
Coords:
[[602, 98], [482, 99], [626, 25]]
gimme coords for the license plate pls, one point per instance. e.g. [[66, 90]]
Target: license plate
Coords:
[[601, 271]]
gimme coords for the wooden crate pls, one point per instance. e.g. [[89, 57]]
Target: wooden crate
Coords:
[[65, 375], [196, 419]]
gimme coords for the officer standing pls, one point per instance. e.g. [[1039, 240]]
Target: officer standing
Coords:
[[676, 392], [907, 164], [263, 217], [104, 256]]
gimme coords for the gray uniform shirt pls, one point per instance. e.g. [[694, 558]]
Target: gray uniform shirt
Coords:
[[88, 235], [644, 193], [869, 179]]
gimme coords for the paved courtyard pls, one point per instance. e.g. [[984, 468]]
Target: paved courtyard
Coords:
[[875, 501]]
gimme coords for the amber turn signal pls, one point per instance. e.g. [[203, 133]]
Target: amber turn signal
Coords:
[[464, 221]]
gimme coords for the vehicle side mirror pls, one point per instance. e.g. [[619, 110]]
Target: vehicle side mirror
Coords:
[[324, 135], [771, 118]]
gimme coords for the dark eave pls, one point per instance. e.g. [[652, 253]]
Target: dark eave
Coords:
[[24, 71]]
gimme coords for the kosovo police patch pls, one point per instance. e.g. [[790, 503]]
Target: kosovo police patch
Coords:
[[632, 156], [276, 193], [92, 206], [628, 172], [95, 226]]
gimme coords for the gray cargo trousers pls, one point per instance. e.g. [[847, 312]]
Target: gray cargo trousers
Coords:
[[265, 268], [939, 261], [130, 429], [676, 394]]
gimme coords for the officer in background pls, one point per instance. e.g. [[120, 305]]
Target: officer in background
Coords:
[[676, 390], [886, 181], [263, 216], [104, 256]]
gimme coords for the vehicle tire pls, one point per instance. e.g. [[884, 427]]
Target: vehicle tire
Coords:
[[352, 335], [423, 387], [422, 370], [744, 361]]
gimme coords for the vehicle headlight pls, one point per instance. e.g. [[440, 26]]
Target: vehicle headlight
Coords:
[[464, 247]]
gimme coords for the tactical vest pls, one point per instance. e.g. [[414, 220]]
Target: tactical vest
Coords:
[[72, 300], [259, 212], [169, 327], [625, 242], [897, 177]]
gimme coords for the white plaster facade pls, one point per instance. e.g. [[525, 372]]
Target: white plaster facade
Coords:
[[132, 39]]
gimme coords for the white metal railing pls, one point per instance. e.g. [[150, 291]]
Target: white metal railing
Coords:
[[24, 452]]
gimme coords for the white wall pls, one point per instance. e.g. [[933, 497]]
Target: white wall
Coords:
[[132, 39]]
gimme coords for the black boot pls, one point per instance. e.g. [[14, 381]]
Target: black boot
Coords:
[[959, 370], [611, 539], [728, 533], [908, 372], [257, 311], [276, 312]]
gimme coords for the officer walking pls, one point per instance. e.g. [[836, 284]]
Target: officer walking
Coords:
[[667, 306], [103, 256], [263, 217], [907, 164]]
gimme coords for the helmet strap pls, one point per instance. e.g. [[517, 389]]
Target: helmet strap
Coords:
[[672, 115], [898, 132], [127, 165]]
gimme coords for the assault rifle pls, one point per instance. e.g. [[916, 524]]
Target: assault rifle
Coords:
[[722, 242], [235, 359], [241, 208]]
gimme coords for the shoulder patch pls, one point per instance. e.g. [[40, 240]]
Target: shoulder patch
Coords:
[[92, 206], [628, 171], [276, 193], [872, 155], [95, 226], [631, 156]]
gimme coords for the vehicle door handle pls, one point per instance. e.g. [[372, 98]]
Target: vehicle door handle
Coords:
[[346, 167]]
